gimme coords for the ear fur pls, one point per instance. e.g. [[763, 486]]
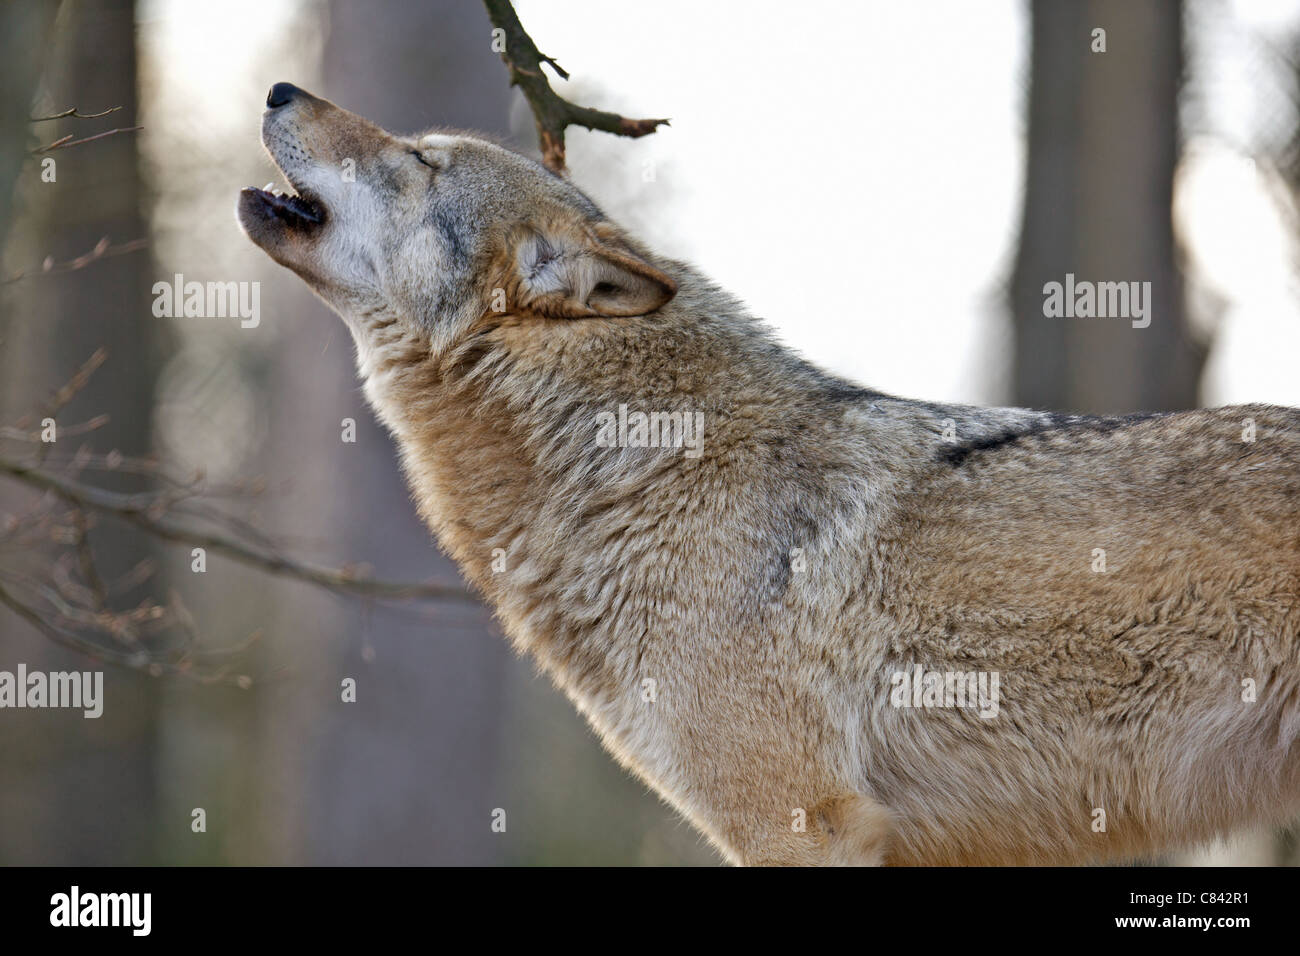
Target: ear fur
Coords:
[[571, 274]]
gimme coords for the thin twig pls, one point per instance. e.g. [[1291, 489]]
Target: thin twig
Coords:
[[136, 659], [59, 400], [103, 250], [86, 556], [73, 114], [552, 112], [65, 431], [67, 142]]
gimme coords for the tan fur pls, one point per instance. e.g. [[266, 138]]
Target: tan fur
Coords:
[[826, 539]]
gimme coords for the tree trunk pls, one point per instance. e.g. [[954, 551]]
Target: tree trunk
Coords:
[[1103, 142], [76, 790]]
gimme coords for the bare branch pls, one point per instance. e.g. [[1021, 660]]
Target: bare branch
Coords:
[[59, 400], [131, 657], [68, 142], [65, 431], [147, 511], [552, 112], [103, 250], [73, 114]]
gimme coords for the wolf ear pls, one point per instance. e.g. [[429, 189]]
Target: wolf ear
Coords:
[[574, 278]]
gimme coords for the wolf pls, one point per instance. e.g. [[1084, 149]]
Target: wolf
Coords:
[[772, 633]]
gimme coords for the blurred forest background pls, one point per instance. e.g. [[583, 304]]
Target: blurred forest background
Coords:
[[950, 158]]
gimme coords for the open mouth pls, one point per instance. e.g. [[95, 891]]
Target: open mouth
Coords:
[[293, 208]]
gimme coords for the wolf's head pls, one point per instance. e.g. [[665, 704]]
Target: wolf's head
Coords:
[[436, 230]]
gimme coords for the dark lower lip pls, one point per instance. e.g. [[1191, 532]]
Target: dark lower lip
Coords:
[[293, 210]]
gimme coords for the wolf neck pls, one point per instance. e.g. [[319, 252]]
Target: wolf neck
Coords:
[[499, 441]]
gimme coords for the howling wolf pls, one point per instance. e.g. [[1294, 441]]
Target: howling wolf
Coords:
[[845, 627]]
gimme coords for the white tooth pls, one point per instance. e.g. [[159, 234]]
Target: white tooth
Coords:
[[267, 187]]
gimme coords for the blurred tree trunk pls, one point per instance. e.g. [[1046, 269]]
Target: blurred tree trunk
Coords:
[[24, 39], [1103, 143], [76, 790]]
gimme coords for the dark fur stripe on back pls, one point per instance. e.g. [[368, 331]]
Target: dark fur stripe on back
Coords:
[[1053, 423]]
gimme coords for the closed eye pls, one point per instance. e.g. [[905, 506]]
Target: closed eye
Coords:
[[416, 154]]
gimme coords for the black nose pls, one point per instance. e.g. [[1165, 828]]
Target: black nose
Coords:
[[281, 94]]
